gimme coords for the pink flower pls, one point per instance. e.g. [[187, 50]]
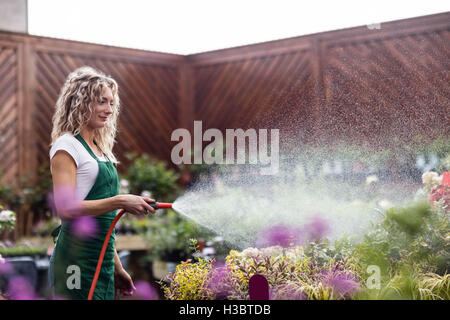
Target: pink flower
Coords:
[[144, 291], [343, 283], [5, 267], [19, 288], [281, 235], [84, 226], [316, 229], [64, 201]]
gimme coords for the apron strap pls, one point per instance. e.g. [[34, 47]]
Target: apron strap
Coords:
[[55, 233]]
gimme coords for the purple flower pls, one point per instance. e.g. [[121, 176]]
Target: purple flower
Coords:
[[288, 291], [84, 227], [316, 228], [144, 291], [219, 281], [6, 267], [281, 235], [19, 288], [64, 201], [343, 283]]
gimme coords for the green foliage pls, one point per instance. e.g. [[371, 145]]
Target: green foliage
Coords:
[[21, 250], [290, 272], [412, 235], [146, 173], [188, 281], [168, 234], [29, 194], [410, 245], [44, 228], [7, 219], [410, 219]]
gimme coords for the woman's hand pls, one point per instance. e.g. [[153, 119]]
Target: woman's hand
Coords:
[[136, 205], [123, 282]]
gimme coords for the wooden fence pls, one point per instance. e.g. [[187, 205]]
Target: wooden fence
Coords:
[[360, 84]]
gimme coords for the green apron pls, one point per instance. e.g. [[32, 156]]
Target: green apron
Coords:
[[72, 250]]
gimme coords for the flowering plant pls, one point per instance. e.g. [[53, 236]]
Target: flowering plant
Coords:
[[7, 219], [290, 272], [439, 188]]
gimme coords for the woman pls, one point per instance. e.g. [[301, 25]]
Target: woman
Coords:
[[86, 187]]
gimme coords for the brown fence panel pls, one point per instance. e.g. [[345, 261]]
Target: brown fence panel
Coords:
[[10, 99], [362, 85]]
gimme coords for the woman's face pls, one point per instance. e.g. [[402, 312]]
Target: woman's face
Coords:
[[103, 110]]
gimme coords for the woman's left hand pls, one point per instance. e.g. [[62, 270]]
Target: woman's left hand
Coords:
[[123, 282]]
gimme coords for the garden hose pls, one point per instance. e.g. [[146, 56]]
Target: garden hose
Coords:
[[155, 205]]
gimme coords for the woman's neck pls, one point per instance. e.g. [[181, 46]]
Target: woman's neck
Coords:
[[88, 135]]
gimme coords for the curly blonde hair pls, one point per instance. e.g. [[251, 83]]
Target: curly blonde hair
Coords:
[[74, 107]]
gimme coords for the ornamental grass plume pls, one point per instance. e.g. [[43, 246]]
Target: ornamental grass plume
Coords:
[[343, 283], [290, 290]]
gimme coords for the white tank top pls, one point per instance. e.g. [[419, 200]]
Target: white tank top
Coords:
[[87, 166]]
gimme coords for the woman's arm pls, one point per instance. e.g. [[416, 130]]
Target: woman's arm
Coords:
[[122, 279], [64, 175], [117, 264]]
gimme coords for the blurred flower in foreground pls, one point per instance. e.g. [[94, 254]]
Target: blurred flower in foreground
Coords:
[[282, 235], [84, 226], [144, 291], [316, 229], [343, 283], [5, 266], [19, 288], [64, 202]]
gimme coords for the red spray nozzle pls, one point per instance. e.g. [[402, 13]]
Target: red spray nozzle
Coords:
[[160, 205]]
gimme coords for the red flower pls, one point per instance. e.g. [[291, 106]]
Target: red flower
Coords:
[[441, 191]]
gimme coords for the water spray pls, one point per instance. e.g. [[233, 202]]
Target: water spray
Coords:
[[154, 205]]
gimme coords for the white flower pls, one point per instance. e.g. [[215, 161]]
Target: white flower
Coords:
[[250, 252], [124, 183], [430, 178], [437, 180], [146, 194], [371, 179], [7, 215], [385, 204]]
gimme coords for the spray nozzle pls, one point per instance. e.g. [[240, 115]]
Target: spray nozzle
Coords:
[[160, 205]]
